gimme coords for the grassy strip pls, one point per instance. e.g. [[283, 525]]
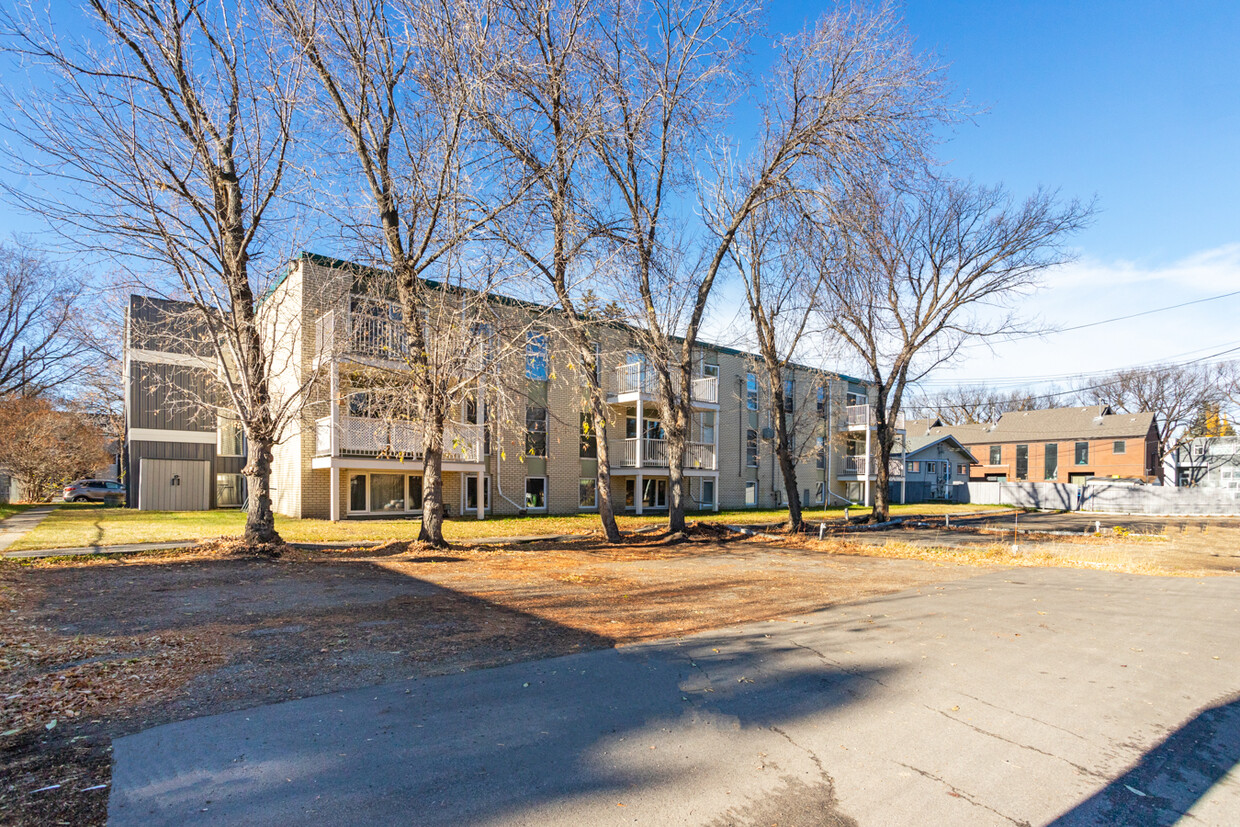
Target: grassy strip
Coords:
[[74, 526], [9, 509]]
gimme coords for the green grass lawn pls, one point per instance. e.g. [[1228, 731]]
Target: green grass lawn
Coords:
[[9, 509], [73, 526]]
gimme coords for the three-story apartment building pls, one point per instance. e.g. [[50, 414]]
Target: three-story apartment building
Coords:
[[531, 449]]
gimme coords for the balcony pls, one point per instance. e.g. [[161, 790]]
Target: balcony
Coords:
[[353, 436], [855, 466], [699, 456], [633, 378], [861, 417], [362, 326]]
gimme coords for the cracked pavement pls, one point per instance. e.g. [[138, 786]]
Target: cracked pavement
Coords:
[[1035, 696]]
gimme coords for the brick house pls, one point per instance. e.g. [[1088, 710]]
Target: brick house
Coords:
[[339, 461], [1057, 445]]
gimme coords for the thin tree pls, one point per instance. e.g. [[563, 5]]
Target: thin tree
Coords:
[[844, 95], [39, 348], [782, 293], [170, 133], [386, 80], [532, 91], [919, 272]]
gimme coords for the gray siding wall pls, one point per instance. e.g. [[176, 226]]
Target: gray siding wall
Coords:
[[169, 397]]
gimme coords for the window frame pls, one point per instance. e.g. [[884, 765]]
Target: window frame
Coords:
[[714, 492], [1119, 447], [1050, 461], [751, 391], [542, 507], [536, 356], [790, 390], [1022, 463], [410, 502], [588, 448], [238, 487], [582, 481], [536, 436], [751, 493], [469, 485], [1080, 453], [751, 447], [996, 455]]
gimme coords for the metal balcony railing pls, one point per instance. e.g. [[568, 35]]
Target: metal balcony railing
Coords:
[[633, 377], [698, 455], [361, 327], [861, 417]]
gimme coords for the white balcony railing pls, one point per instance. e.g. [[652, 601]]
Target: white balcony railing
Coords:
[[861, 417], [856, 466], [633, 377], [698, 455], [361, 327], [359, 436]]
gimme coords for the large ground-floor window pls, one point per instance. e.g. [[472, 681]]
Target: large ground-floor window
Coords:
[[380, 493], [470, 495], [654, 493], [227, 490]]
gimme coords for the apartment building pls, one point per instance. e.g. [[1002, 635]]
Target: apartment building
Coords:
[[537, 451], [1057, 444]]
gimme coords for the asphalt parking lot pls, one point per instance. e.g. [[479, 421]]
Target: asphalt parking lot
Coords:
[[1017, 697]]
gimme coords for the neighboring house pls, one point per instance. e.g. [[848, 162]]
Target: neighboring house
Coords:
[[1207, 462], [341, 461], [179, 454], [1058, 445], [936, 466]]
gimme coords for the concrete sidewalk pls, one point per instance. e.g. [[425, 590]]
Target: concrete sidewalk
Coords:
[[1016, 697], [17, 526]]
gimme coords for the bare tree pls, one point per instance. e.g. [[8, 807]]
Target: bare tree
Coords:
[[967, 404], [39, 348], [169, 131], [386, 77], [918, 273], [782, 291], [1178, 394], [847, 94], [532, 83]]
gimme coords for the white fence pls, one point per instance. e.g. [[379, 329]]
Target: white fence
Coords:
[[1106, 497]]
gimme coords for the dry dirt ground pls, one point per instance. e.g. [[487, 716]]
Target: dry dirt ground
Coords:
[[94, 649]]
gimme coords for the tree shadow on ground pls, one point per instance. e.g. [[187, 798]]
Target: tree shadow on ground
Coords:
[[1171, 777]]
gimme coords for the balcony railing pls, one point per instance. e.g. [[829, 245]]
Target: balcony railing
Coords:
[[698, 455], [353, 436], [856, 466], [633, 377], [861, 417], [361, 327]]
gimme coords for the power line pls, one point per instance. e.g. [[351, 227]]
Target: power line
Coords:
[[1131, 315]]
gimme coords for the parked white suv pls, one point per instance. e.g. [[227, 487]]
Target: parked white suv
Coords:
[[82, 491]]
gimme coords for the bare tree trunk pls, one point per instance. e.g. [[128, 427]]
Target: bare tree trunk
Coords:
[[260, 520], [885, 437], [432, 484], [787, 466], [606, 514]]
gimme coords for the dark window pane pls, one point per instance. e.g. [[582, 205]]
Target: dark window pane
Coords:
[[1022, 462], [357, 493], [1052, 461]]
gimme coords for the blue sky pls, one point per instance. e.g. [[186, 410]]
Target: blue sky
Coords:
[[1136, 103]]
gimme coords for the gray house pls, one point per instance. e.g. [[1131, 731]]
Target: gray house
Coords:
[[936, 468], [1207, 462], [181, 453]]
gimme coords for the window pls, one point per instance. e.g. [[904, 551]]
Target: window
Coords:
[[471, 493], [1120, 446], [962, 469], [820, 492], [415, 493], [1081, 453], [360, 405], [751, 448], [387, 492], [708, 493], [820, 453], [630, 423], [536, 356], [589, 439], [357, 493], [710, 370], [751, 493], [228, 437], [536, 493], [751, 392], [914, 467], [535, 431], [654, 493], [996, 454], [1051, 463], [227, 490], [790, 390], [822, 400], [708, 427], [587, 493], [1022, 462]]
